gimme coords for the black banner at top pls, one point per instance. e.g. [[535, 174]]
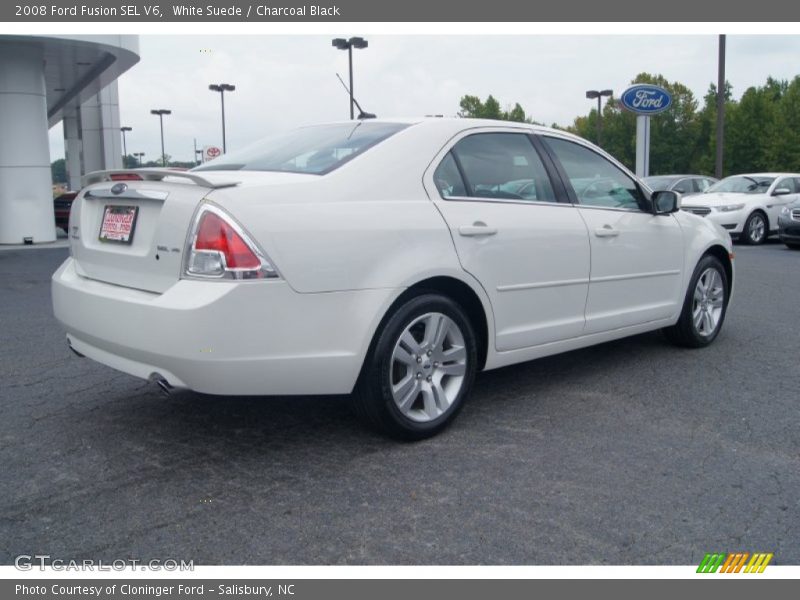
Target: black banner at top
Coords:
[[260, 11]]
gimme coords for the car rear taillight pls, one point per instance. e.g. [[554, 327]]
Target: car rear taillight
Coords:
[[220, 248], [216, 235]]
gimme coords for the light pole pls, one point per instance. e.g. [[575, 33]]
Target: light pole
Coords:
[[591, 95], [720, 108], [124, 146], [343, 44], [139, 156], [222, 88], [161, 112]]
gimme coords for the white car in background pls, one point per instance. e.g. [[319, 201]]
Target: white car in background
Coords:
[[748, 206], [388, 258]]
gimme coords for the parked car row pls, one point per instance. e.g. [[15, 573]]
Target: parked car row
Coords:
[[751, 207]]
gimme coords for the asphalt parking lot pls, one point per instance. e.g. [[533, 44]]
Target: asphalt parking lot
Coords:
[[633, 452]]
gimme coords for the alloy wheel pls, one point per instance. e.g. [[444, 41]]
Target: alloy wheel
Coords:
[[428, 367], [756, 228], [708, 302]]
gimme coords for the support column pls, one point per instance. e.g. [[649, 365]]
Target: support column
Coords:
[[99, 119], [642, 145], [26, 195], [73, 149]]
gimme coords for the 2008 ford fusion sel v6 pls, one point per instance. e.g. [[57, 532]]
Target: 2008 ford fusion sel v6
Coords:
[[386, 259]]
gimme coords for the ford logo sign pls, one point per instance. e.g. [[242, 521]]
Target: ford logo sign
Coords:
[[646, 99], [118, 188]]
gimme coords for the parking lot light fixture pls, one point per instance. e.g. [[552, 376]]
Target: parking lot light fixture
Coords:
[[139, 156], [161, 112], [358, 43], [222, 88], [591, 95], [124, 146]]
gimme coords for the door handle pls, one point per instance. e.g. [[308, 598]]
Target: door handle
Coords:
[[476, 229], [606, 231]]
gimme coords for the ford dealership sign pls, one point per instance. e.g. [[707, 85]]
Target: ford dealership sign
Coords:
[[646, 99]]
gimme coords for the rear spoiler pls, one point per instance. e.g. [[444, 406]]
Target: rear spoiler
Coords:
[[154, 174]]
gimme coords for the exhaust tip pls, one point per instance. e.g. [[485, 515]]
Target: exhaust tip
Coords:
[[75, 352], [162, 383], [165, 386]]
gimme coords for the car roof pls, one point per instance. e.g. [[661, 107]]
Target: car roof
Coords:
[[456, 124]]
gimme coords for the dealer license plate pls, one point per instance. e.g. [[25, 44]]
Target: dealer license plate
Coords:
[[118, 224]]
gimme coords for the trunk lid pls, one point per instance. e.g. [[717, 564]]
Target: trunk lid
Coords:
[[161, 206]]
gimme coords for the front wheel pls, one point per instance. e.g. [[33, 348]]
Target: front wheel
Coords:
[[704, 307], [755, 229], [419, 370]]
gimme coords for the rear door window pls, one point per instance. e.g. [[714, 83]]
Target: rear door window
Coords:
[[497, 166]]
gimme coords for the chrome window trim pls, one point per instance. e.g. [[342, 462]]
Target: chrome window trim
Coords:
[[129, 194], [542, 203], [506, 201], [615, 209]]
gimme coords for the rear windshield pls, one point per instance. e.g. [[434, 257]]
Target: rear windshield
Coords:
[[315, 150]]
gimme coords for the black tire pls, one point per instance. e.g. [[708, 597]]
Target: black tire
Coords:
[[747, 235], [684, 332], [792, 245], [373, 400]]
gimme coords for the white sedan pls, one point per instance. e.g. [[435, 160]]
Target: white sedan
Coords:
[[387, 259], [748, 206]]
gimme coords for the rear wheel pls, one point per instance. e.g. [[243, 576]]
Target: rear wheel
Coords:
[[704, 307], [755, 229], [419, 370], [792, 245]]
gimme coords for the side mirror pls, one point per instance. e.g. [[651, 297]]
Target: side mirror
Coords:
[[665, 202], [781, 192]]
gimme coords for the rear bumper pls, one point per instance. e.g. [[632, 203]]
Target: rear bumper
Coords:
[[230, 338]]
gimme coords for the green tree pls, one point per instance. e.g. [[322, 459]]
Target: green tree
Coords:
[[748, 129], [473, 108], [784, 149], [704, 152], [58, 171]]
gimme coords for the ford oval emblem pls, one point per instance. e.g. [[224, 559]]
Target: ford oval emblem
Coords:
[[118, 188], [646, 99]]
